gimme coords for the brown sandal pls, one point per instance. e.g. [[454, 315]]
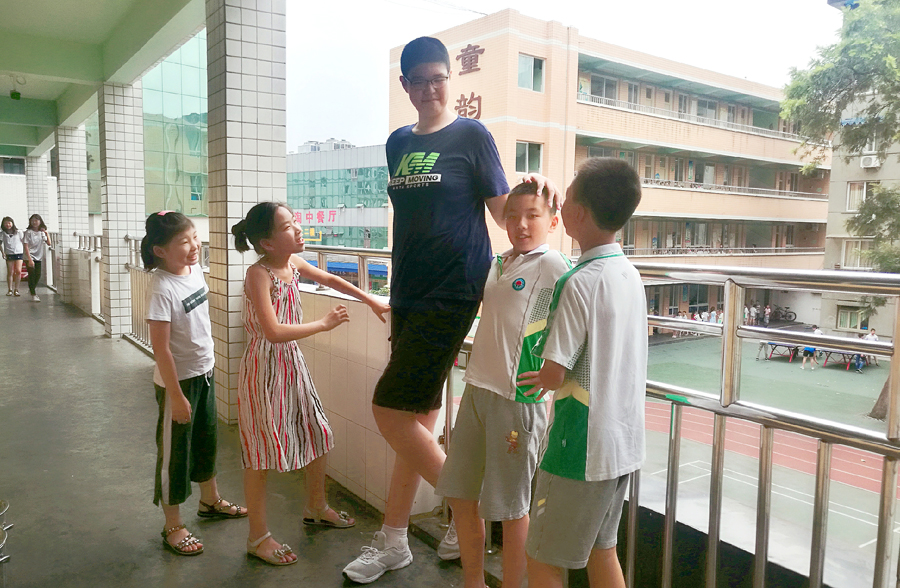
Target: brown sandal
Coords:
[[215, 510], [179, 548], [317, 517], [275, 558]]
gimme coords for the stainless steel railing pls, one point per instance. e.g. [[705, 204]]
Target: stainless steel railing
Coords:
[[708, 250], [725, 189], [727, 406]]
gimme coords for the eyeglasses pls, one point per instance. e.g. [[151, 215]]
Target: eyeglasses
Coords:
[[436, 83]]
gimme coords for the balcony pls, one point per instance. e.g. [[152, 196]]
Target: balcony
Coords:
[[662, 198], [798, 258], [643, 125]]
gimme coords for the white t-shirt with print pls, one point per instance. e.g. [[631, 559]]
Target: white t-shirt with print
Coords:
[[182, 301], [36, 241], [12, 243], [597, 330], [513, 314]]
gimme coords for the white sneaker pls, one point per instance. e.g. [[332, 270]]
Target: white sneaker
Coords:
[[36, 298], [377, 559], [449, 547]]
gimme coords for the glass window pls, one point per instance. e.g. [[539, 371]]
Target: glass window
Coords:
[[153, 102], [190, 81], [603, 87], [528, 158], [851, 317], [531, 73], [190, 52], [13, 166], [854, 254], [706, 109], [171, 105], [633, 93], [153, 79], [171, 77], [857, 192]]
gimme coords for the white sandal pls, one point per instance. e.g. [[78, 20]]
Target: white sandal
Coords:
[[275, 558]]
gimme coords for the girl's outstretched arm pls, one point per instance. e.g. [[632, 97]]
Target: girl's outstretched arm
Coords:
[[341, 285], [259, 290]]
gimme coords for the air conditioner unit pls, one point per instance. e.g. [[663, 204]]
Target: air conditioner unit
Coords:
[[869, 161]]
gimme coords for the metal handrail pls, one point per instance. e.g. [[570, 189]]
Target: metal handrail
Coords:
[[709, 250], [722, 188], [586, 98]]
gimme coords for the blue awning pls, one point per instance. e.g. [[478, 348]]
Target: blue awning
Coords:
[[345, 267]]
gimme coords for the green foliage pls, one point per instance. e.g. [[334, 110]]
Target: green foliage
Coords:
[[383, 291], [856, 80], [878, 216]]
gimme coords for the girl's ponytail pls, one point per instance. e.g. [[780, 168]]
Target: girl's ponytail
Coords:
[[147, 253], [239, 231]]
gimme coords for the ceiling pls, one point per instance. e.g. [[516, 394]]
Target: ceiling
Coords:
[[57, 54]]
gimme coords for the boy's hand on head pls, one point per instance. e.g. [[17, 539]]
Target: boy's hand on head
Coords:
[[379, 308], [556, 197], [334, 318], [533, 379]]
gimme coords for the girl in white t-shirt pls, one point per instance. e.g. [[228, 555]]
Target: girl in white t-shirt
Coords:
[[13, 251], [181, 335], [36, 242]]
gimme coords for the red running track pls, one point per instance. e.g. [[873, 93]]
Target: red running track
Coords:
[[860, 469]]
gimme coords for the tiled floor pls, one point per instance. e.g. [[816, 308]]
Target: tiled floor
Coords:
[[77, 420]]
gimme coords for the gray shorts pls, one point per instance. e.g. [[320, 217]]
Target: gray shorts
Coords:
[[569, 518], [493, 454]]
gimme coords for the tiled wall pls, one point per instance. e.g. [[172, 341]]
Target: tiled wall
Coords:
[[73, 204], [345, 365], [36, 186], [121, 195]]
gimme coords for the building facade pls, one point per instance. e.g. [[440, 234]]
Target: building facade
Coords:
[[339, 193], [721, 184]]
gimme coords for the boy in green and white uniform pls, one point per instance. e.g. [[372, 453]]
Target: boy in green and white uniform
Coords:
[[595, 357], [494, 447]]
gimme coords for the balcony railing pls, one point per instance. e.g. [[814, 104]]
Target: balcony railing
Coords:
[[683, 116], [727, 407], [706, 251], [720, 188]]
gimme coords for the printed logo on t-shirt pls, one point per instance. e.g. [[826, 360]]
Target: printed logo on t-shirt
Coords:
[[518, 284], [194, 300], [413, 170]]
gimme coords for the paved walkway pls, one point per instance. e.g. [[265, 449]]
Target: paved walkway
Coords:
[[77, 452]]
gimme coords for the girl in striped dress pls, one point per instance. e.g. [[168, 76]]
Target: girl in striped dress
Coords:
[[282, 422]]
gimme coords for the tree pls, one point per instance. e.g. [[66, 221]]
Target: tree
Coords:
[[851, 91], [850, 94]]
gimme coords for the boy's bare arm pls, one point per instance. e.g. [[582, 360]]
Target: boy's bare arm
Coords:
[[550, 377]]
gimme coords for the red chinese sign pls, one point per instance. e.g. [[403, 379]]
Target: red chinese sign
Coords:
[[319, 217]]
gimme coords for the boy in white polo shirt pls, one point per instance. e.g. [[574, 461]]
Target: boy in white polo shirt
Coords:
[[494, 447], [595, 357]]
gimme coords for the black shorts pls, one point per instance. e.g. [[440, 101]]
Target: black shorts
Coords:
[[425, 342], [14, 256], [809, 352]]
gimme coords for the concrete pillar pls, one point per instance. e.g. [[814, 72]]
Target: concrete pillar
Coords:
[[121, 196], [36, 186], [246, 73], [73, 206]]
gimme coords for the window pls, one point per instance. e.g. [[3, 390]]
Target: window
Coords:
[[706, 109], [667, 97], [851, 317], [600, 152], [857, 192], [603, 87], [627, 156], [648, 166], [732, 112], [633, 93], [531, 73], [649, 93], [13, 165], [684, 105], [854, 256], [528, 158]]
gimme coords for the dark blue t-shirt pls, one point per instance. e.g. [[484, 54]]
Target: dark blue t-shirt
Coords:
[[438, 186]]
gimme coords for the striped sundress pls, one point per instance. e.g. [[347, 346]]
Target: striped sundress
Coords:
[[283, 425]]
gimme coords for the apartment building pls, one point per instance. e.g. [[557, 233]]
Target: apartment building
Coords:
[[851, 181], [721, 179]]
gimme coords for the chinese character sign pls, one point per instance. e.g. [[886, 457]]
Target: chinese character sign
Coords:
[[469, 107], [468, 59], [318, 217]]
